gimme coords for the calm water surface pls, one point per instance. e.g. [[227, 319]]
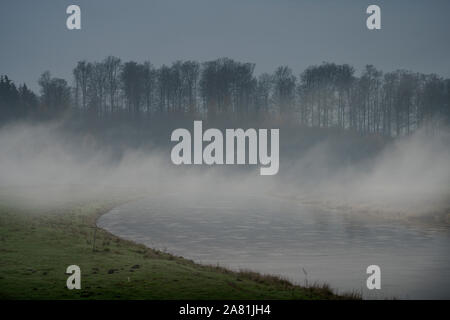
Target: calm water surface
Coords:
[[282, 237]]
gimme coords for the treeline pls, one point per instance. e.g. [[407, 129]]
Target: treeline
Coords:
[[326, 95]]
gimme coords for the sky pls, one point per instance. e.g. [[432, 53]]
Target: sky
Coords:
[[34, 36]]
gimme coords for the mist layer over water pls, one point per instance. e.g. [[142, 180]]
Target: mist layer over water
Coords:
[[410, 175]]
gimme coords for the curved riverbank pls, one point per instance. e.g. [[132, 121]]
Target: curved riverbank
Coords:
[[39, 244]]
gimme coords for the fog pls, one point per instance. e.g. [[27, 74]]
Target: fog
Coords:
[[44, 164]]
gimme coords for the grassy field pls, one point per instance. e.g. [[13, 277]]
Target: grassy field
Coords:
[[36, 246]]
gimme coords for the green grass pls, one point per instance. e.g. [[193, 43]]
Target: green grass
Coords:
[[36, 246]]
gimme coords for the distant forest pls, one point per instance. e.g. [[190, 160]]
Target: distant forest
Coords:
[[326, 95]]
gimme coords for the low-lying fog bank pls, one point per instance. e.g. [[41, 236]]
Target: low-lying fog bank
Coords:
[[44, 163]]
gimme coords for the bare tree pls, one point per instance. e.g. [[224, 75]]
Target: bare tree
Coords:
[[112, 67]]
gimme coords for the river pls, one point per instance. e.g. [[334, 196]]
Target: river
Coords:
[[283, 237]]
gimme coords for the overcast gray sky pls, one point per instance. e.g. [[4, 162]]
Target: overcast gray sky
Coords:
[[34, 37]]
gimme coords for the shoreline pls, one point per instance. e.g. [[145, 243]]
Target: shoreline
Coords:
[[246, 272], [118, 268]]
